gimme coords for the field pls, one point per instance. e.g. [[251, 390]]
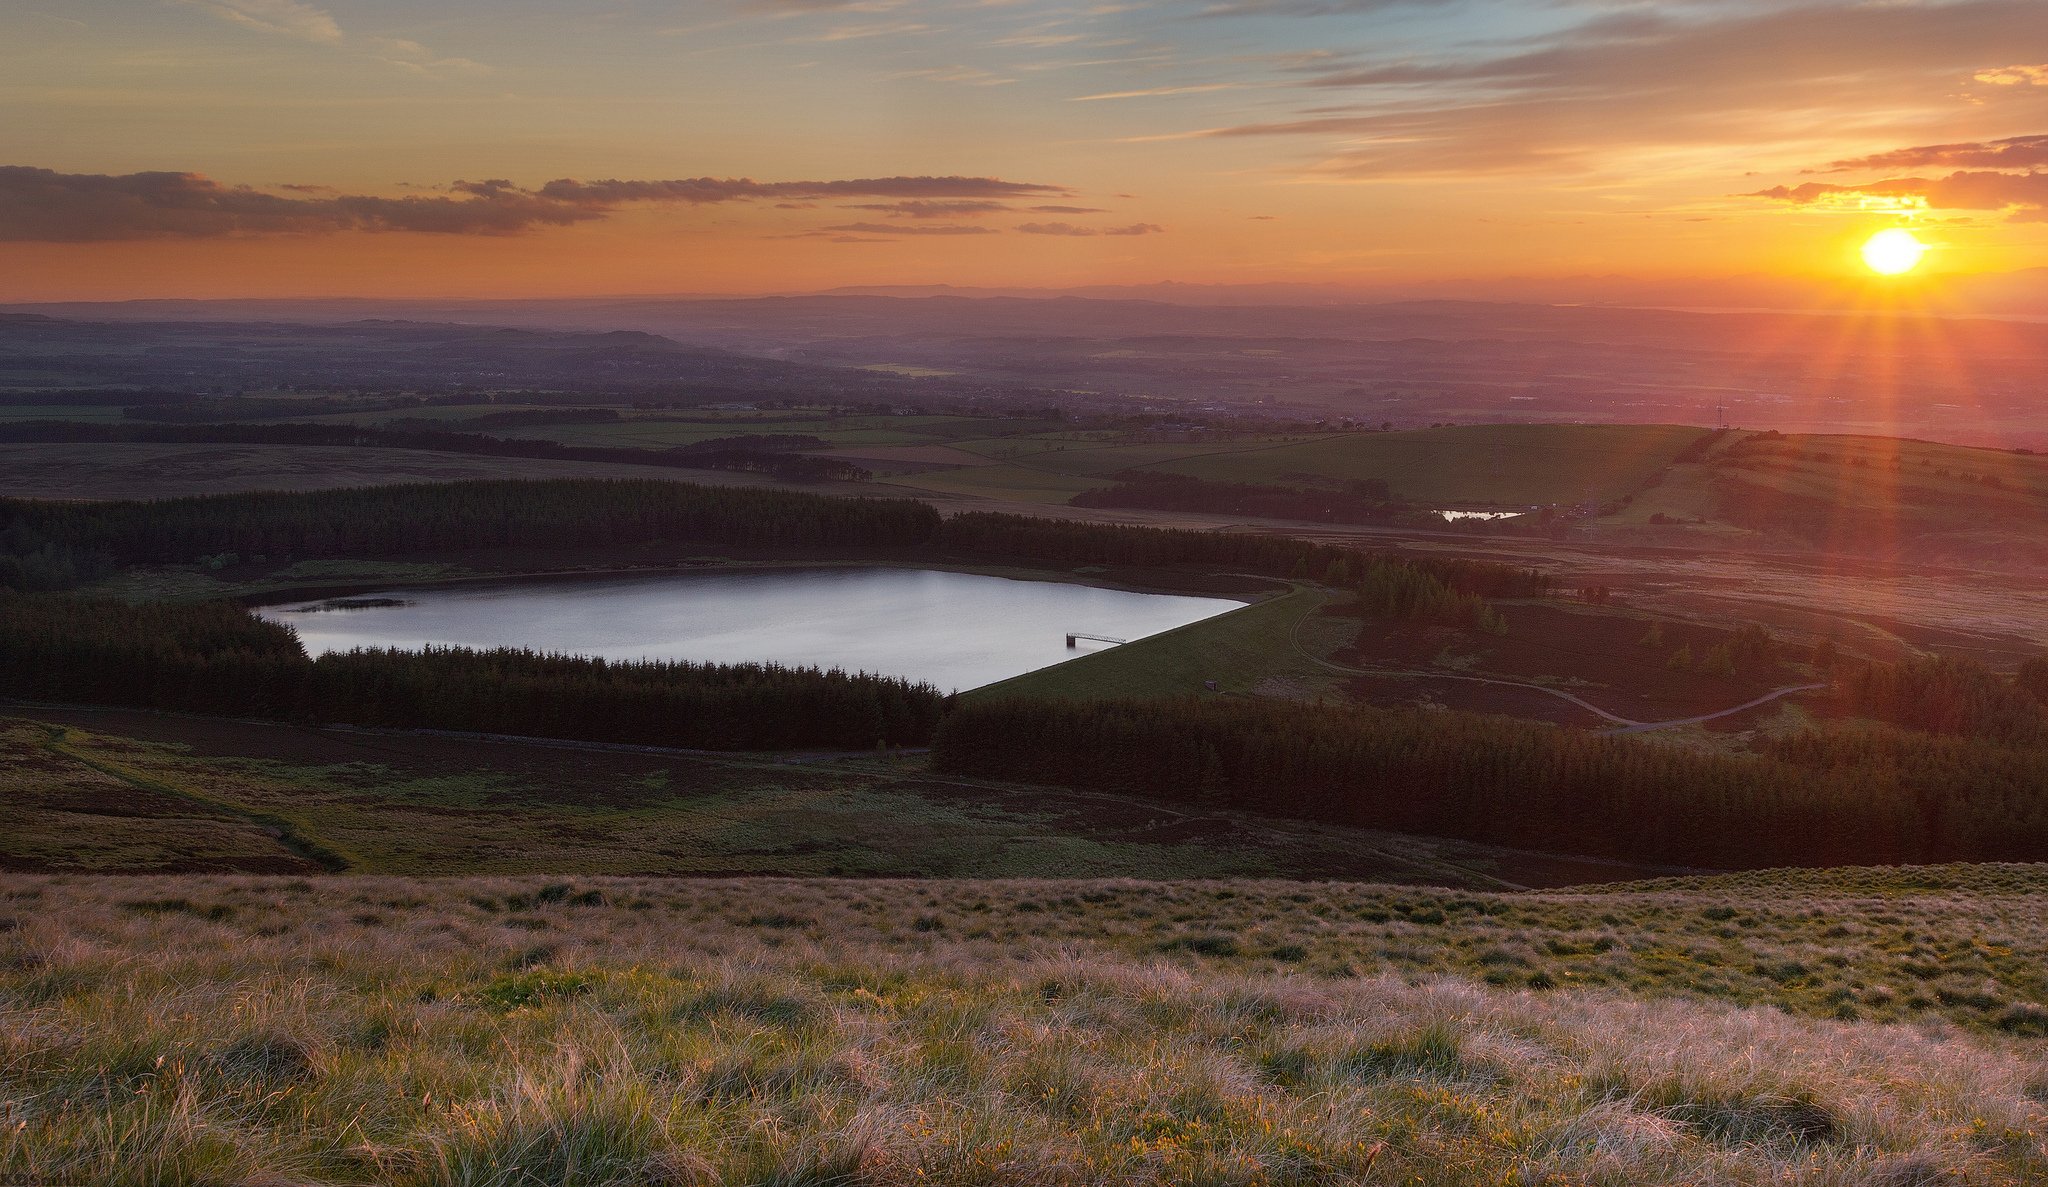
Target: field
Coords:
[[112, 791], [624, 1032], [1033, 460], [1874, 496], [1511, 464], [1249, 651], [1901, 502], [123, 471]]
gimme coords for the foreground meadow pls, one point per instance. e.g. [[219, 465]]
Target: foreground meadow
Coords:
[[252, 1030]]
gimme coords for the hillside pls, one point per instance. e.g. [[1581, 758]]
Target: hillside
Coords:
[[627, 1032], [1871, 496]]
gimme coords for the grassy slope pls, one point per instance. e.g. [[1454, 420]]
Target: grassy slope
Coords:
[[197, 794], [1918, 486], [1478, 463], [1239, 650], [619, 1032]]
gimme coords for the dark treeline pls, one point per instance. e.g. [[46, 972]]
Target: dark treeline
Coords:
[[1520, 783], [2032, 679], [191, 409], [574, 513], [217, 658], [31, 562], [1401, 590], [755, 441], [1948, 696], [789, 467], [1975, 800], [402, 520], [1362, 502], [518, 418], [1067, 542], [91, 397]]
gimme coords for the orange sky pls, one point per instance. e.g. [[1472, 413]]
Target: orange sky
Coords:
[[282, 147]]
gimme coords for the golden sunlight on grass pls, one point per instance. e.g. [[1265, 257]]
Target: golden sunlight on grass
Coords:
[[497, 1032]]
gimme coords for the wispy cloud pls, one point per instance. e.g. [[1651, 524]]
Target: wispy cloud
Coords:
[[1733, 78], [863, 32], [305, 22], [911, 229], [2015, 76], [287, 18], [1311, 8], [925, 208], [418, 59], [731, 189], [1070, 229], [2013, 152], [1155, 92]]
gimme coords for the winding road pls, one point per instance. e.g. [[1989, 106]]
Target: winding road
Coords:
[[1622, 725]]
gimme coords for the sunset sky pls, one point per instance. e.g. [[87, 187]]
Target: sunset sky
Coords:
[[522, 147]]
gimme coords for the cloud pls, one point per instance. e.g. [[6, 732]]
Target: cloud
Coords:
[[1748, 78], [917, 208], [2014, 152], [910, 229], [2015, 76], [1072, 230], [2024, 194], [48, 206], [44, 205], [730, 189], [1153, 92], [418, 59], [1311, 7], [287, 18], [304, 22], [863, 32], [1066, 209]]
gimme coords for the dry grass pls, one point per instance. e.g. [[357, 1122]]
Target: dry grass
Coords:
[[501, 1031]]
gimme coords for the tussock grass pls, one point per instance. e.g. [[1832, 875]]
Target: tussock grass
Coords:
[[636, 1032]]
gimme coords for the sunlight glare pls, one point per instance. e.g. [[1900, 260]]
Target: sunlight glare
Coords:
[[1893, 251]]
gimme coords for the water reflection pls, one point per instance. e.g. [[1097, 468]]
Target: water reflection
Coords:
[[956, 630]]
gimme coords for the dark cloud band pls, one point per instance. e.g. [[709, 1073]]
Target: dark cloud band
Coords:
[[47, 206]]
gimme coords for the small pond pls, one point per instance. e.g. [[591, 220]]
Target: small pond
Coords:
[[1455, 516]]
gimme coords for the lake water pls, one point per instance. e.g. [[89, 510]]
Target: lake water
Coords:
[[955, 630]]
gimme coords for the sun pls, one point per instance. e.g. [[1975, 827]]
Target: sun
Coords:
[[1893, 251]]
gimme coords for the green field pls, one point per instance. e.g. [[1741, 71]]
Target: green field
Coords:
[[1484, 464], [1245, 652], [1049, 462], [1508, 464]]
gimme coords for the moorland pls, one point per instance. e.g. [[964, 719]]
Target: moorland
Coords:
[[1415, 868]]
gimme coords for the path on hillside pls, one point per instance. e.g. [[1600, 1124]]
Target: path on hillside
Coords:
[[1767, 698], [1623, 725]]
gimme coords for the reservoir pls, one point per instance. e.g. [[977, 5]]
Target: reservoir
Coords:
[[954, 630]]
